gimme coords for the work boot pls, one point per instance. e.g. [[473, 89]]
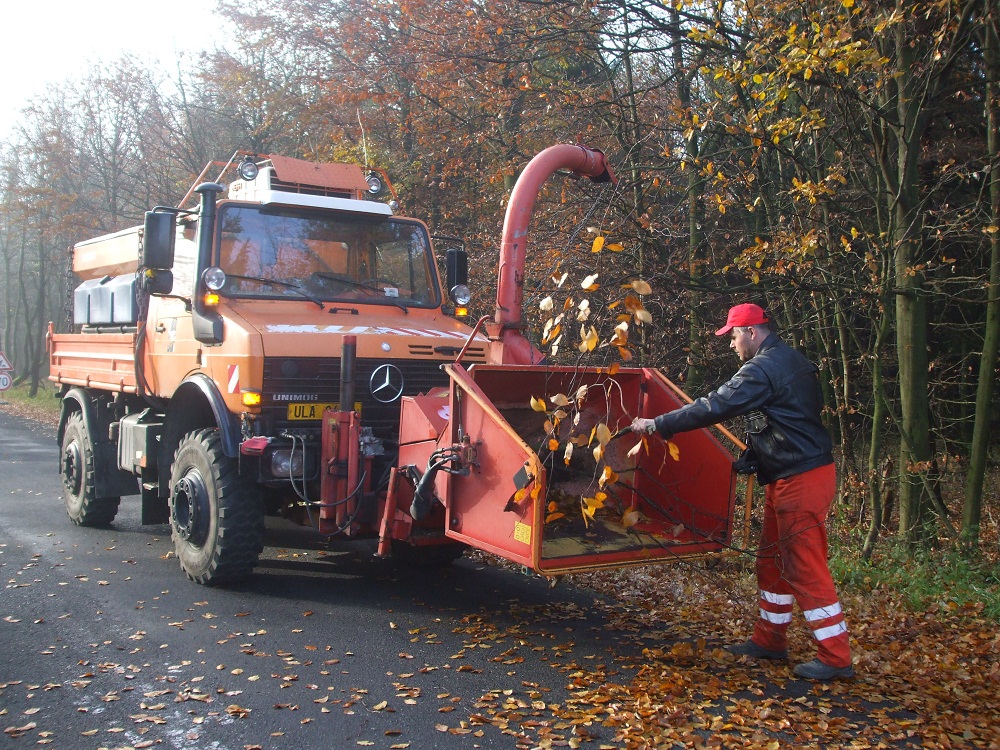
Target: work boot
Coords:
[[754, 651], [817, 670]]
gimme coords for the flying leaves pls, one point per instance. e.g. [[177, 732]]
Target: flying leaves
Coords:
[[628, 309]]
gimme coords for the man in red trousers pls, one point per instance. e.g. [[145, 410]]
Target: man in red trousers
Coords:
[[789, 448]]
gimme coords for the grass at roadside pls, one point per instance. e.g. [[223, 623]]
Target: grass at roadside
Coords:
[[942, 577], [43, 407]]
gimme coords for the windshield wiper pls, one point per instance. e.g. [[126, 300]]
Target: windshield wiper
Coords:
[[276, 282], [368, 288]]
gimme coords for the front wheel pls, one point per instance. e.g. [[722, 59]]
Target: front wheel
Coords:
[[216, 517], [76, 465]]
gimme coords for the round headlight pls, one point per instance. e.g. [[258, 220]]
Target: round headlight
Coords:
[[214, 278], [248, 170], [375, 184], [461, 294]]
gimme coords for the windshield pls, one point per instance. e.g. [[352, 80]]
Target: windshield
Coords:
[[333, 257]]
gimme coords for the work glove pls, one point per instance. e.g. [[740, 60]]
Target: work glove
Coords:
[[642, 426]]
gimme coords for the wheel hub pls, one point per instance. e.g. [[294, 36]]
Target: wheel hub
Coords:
[[72, 468], [190, 508]]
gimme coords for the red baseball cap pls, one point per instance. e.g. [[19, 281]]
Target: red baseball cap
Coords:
[[747, 314]]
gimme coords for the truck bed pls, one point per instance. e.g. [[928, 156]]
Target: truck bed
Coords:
[[95, 360]]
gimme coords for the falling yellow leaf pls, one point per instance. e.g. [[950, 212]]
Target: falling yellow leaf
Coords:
[[560, 399], [590, 505], [553, 444], [603, 434], [538, 404], [631, 518], [620, 337], [590, 283], [588, 339], [675, 452], [634, 450], [608, 476], [554, 517], [642, 287], [598, 244], [568, 454], [615, 247]]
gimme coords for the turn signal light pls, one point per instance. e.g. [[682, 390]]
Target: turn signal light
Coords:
[[250, 398], [461, 312], [211, 299]]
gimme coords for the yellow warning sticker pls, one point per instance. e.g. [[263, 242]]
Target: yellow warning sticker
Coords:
[[522, 532]]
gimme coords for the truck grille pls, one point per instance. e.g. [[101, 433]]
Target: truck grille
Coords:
[[295, 380]]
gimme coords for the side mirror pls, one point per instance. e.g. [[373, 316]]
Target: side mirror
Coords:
[[159, 282], [457, 267], [158, 237]]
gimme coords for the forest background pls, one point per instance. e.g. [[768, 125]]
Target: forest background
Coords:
[[835, 161]]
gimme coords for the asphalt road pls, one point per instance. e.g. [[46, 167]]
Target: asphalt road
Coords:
[[105, 644]]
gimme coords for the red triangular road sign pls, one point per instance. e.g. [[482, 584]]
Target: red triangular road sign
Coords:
[[5, 363]]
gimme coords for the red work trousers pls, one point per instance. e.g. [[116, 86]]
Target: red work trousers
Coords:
[[792, 565]]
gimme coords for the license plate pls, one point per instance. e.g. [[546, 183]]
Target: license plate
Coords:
[[300, 412], [309, 411]]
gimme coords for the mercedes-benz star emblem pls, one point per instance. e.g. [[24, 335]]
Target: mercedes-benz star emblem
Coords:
[[386, 383]]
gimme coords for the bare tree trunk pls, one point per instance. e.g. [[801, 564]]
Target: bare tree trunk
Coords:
[[36, 331], [911, 306], [877, 481], [972, 508], [695, 212]]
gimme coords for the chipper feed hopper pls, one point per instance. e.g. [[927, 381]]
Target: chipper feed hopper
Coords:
[[535, 463]]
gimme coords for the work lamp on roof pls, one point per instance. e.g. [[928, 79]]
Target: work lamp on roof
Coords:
[[375, 184], [247, 169]]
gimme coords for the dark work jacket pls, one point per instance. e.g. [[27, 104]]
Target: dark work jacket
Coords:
[[779, 389]]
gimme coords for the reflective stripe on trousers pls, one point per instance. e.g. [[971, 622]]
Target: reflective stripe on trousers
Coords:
[[792, 565]]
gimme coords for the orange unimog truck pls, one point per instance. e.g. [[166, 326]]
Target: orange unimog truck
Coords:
[[287, 344]]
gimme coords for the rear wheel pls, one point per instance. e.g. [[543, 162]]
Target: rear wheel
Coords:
[[77, 468], [216, 517]]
